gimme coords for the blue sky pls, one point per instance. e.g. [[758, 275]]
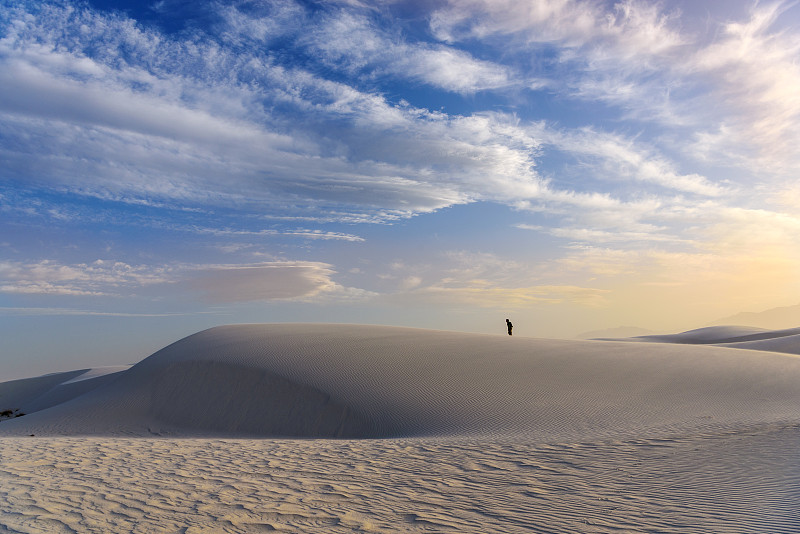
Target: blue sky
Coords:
[[169, 166]]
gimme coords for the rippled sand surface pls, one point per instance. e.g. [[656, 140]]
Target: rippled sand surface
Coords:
[[745, 481]]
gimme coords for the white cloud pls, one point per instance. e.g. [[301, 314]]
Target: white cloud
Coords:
[[755, 76], [510, 298], [268, 281], [263, 23], [100, 278], [148, 131], [299, 232], [484, 281], [733, 100], [354, 42], [616, 157], [595, 235], [453, 70], [22, 312], [216, 283], [239, 130], [631, 29]]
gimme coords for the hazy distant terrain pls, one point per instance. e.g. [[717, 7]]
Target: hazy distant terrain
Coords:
[[774, 319]]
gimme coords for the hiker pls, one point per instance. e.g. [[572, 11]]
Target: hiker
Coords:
[[510, 326]]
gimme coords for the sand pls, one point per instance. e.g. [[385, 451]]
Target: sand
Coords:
[[787, 340], [408, 430]]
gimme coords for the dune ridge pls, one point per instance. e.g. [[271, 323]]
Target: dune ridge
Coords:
[[741, 337], [31, 395], [721, 335], [355, 381]]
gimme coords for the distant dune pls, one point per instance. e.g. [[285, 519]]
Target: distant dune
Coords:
[[350, 381], [742, 337]]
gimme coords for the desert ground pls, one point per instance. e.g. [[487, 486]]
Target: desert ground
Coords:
[[343, 428]]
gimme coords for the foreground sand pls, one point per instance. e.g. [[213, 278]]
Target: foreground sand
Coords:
[[474, 434], [743, 482]]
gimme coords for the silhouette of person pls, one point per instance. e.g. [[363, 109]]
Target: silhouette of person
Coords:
[[510, 326]]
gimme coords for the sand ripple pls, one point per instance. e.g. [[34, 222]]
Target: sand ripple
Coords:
[[745, 481]]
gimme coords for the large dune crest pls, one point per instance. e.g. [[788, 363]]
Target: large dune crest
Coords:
[[316, 380]]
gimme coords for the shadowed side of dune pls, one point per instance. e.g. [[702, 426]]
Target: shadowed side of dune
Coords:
[[30, 395], [198, 397], [20, 393], [234, 399]]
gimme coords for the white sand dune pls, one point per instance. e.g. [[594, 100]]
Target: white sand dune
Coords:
[[480, 434], [787, 344], [709, 334], [31, 395], [742, 337], [98, 372], [369, 381]]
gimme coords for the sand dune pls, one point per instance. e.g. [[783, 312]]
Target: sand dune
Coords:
[[787, 344], [34, 394], [742, 337], [98, 372], [479, 434], [368, 381], [720, 335]]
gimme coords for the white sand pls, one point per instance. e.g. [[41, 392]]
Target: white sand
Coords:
[[479, 434], [97, 372], [742, 337], [717, 335]]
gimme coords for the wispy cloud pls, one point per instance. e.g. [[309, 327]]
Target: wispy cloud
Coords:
[[215, 283], [734, 92], [484, 281], [299, 232], [100, 278], [125, 123], [262, 282], [614, 157], [38, 312], [631, 28], [510, 298], [755, 74], [354, 42], [121, 112]]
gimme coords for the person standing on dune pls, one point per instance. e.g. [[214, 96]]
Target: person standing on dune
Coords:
[[510, 326]]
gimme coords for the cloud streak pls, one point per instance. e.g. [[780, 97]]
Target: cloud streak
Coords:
[[213, 283], [100, 278], [269, 281]]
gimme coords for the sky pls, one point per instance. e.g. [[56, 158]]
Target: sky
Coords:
[[167, 166]]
